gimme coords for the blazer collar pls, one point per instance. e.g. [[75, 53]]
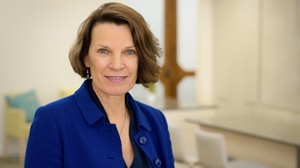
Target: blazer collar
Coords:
[[88, 108], [92, 113]]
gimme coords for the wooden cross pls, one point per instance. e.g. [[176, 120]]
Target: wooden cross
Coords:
[[171, 73]]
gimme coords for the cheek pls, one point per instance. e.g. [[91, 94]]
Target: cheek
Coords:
[[99, 63]]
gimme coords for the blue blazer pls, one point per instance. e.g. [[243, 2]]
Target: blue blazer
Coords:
[[72, 133]]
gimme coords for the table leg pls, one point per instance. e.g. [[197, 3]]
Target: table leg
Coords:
[[298, 156]]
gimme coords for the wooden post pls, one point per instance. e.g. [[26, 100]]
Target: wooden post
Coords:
[[171, 72]]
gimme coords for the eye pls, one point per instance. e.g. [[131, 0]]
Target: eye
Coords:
[[103, 51], [130, 52]]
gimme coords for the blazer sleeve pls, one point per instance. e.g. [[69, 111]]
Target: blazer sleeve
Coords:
[[44, 148]]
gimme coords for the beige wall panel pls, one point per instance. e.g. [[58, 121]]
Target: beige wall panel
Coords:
[[281, 54], [236, 34]]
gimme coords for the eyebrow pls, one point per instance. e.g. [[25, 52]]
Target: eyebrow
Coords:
[[130, 46], [104, 46], [100, 45]]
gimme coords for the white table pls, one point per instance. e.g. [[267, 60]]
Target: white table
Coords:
[[258, 136]]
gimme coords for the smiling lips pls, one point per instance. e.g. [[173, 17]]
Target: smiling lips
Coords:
[[116, 78]]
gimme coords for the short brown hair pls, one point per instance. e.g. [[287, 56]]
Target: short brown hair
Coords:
[[146, 43]]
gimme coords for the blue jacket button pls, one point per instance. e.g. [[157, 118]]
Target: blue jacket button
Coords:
[[157, 162], [143, 140]]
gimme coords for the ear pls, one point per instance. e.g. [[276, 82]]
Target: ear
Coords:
[[86, 61]]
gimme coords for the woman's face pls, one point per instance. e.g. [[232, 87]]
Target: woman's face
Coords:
[[112, 59]]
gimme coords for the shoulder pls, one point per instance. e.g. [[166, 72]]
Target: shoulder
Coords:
[[58, 108], [147, 115], [60, 104], [144, 108]]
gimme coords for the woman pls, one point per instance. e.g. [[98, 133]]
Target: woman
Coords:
[[101, 125]]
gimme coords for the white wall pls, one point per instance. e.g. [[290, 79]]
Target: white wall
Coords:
[[205, 50], [36, 37]]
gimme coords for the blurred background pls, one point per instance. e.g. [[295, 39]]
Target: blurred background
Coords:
[[245, 53]]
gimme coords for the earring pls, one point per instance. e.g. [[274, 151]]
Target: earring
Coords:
[[88, 73]]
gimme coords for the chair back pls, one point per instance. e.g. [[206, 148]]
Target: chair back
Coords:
[[16, 110], [177, 142], [211, 149]]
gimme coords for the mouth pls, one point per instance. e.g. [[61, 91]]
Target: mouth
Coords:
[[116, 78]]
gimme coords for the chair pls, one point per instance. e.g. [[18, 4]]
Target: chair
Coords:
[[180, 153], [19, 111], [15, 127], [212, 152]]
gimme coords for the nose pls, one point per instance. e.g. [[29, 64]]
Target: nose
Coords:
[[116, 62]]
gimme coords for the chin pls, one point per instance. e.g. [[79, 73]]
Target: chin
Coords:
[[116, 92]]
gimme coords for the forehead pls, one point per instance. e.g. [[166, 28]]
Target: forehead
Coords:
[[111, 32]]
